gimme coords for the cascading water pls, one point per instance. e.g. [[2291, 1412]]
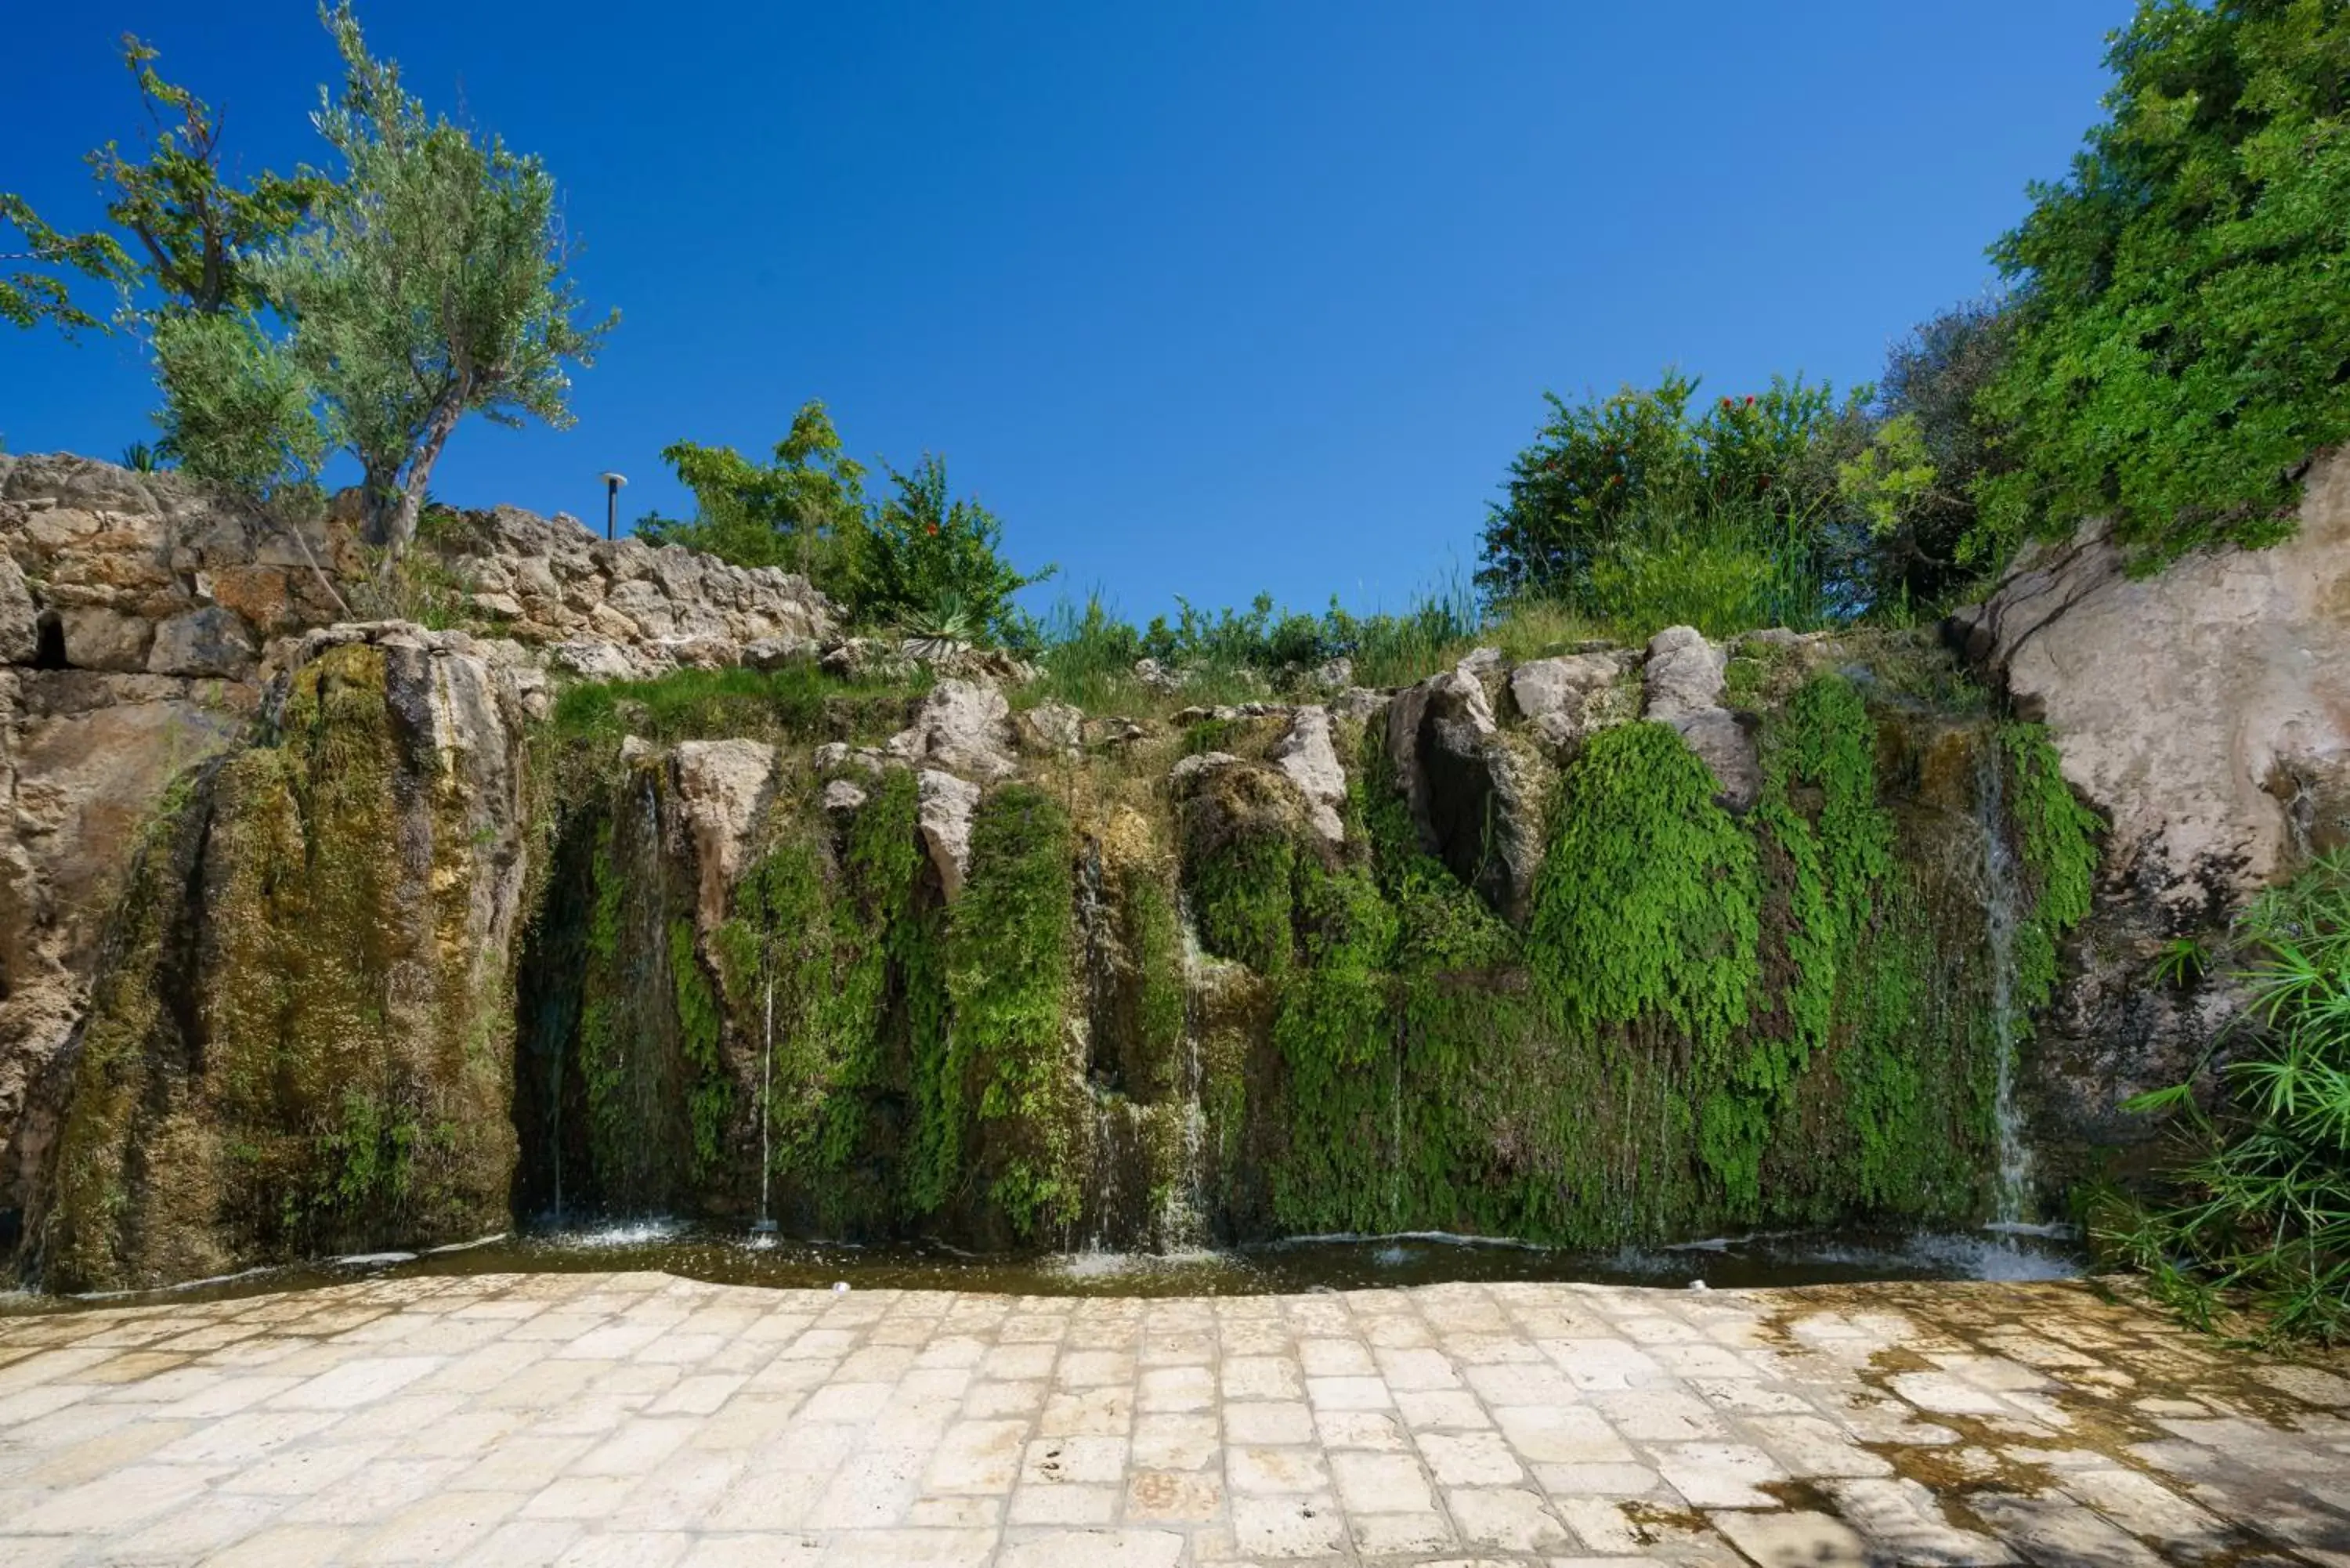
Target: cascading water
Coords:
[[766, 1226], [2002, 897]]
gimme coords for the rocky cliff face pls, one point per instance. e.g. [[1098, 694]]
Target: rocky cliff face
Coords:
[[2205, 712], [136, 613], [339, 937], [300, 1036]]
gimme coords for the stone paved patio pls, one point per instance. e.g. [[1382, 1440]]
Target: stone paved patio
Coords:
[[642, 1420]]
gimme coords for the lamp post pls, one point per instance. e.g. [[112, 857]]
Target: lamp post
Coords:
[[612, 482]]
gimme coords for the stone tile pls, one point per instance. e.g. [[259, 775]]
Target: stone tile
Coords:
[[1297, 1525], [1507, 1519], [1794, 1540]]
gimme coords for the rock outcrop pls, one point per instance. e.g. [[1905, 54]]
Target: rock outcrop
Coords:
[[1682, 682], [2205, 713], [297, 1040], [721, 788], [1476, 792]]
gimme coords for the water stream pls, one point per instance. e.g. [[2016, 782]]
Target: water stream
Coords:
[[2013, 1203], [727, 1256]]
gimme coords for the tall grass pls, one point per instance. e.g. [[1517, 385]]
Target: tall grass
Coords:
[[2258, 1221]]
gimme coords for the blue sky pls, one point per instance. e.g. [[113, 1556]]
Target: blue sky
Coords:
[[1201, 298]]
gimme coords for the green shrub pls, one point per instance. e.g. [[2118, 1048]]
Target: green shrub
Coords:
[[928, 557], [801, 510]]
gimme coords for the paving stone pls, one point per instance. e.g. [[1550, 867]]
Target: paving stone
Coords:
[[580, 1419]]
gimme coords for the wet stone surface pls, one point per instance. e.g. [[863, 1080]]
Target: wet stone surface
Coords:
[[644, 1421]]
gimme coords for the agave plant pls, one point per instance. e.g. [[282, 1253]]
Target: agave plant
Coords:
[[141, 458], [945, 628], [2260, 1215]]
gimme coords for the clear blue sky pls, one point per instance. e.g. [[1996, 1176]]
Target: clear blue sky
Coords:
[[1201, 298]]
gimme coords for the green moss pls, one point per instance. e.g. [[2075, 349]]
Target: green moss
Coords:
[[1648, 903], [710, 1093], [2058, 837], [1009, 957]]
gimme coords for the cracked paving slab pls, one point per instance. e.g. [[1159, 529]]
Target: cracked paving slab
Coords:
[[645, 1420]]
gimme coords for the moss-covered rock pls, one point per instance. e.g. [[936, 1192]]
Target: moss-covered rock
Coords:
[[301, 1040]]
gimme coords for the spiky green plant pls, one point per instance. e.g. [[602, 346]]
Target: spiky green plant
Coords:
[[2260, 1219]]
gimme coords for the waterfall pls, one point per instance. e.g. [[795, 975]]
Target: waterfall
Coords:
[[766, 1224], [2002, 903]]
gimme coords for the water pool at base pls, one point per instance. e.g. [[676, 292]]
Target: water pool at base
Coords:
[[733, 1256]]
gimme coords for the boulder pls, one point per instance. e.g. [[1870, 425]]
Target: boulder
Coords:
[[723, 787], [1681, 685], [100, 639], [944, 807], [2205, 710], [961, 727], [1308, 758], [385, 827], [2205, 713], [1050, 729]]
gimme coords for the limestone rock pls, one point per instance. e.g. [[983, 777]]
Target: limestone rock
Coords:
[[1476, 795], [1188, 770], [100, 639], [1360, 703], [944, 807], [388, 830], [1051, 730], [1157, 676], [214, 640], [1682, 682], [1333, 676], [723, 787], [2206, 709], [842, 798], [2205, 713], [1683, 674], [962, 726], [19, 617], [771, 653], [1480, 662], [1307, 758], [1543, 686]]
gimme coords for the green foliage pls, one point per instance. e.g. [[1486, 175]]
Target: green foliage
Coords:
[[185, 233], [1639, 515], [926, 553], [710, 1096], [1009, 951], [2260, 1218], [802, 510], [1648, 903], [2059, 840], [1820, 815], [236, 413], [2183, 342], [1932, 449], [798, 700], [427, 282]]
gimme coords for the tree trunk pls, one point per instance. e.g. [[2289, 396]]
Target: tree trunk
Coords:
[[400, 527]]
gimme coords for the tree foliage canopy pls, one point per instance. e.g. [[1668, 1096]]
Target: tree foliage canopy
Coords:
[[2183, 344], [184, 229]]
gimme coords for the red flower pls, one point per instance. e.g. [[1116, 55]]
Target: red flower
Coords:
[[1725, 402], [932, 529], [1749, 399]]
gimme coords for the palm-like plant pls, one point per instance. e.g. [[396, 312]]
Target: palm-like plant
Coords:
[[2261, 1214]]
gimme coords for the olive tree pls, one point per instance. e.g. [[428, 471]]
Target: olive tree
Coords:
[[429, 282]]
